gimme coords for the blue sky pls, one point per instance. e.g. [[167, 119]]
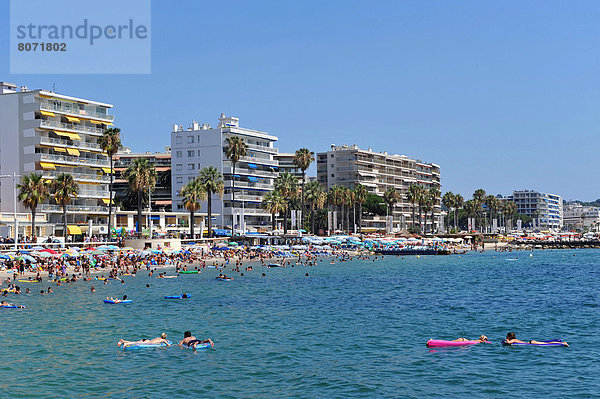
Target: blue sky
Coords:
[[503, 95]]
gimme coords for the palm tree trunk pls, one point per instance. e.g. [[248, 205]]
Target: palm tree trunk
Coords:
[[209, 211], [360, 218], [139, 214], [302, 200], [285, 217], [312, 220], [348, 219], [432, 222], [233, 200], [192, 224], [110, 196], [273, 221], [456, 219], [33, 223], [65, 234], [413, 215]]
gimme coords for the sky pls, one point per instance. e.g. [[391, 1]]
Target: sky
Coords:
[[502, 95]]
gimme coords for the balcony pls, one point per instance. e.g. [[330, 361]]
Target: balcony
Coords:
[[76, 160], [73, 208], [78, 176], [250, 172], [247, 211], [250, 185], [76, 127], [243, 197], [261, 161], [263, 148], [73, 109], [80, 144]]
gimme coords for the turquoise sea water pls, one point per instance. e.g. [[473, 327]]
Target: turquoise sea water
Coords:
[[355, 329]]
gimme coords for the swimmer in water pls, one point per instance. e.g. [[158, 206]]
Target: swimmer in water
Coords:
[[159, 340], [511, 338]]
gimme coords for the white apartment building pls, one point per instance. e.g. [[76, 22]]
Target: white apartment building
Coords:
[[49, 133], [545, 209], [348, 165], [201, 146], [580, 217]]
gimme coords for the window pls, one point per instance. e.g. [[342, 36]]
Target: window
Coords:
[[198, 152], [190, 153], [332, 175], [190, 139], [191, 166], [190, 178], [179, 206], [178, 140], [178, 154], [199, 166], [179, 179], [178, 166]]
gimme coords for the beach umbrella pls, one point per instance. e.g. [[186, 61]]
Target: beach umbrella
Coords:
[[37, 248], [27, 258], [2, 256], [50, 251]]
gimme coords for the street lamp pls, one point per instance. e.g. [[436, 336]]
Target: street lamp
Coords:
[[14, 177]]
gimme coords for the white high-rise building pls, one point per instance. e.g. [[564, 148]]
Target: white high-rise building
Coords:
[[546, 209], [49, 133], [348, 165], [201, 146]]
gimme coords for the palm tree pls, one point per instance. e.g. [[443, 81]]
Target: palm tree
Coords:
[[141, 176], [287, 185], [302, 159], [314, 195], [64, 188], [421, 201], [391, 197], [348, 201], [235, 148], [192, 193], [32, 190], [360, 196], [335, 195], [413, 197], [110, 142], [458, 203], [471, 208], [448, 201], [273, 203], [433, 195], [212, 183], [509, 208], [479, 197]]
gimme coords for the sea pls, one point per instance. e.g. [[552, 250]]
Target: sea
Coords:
[[354, 329]]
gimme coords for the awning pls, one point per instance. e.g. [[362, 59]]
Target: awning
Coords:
[[108, 123], [106, 200], [72, 136], [73, 151], [252, 166], [73, 119], [46, 113], [95, 122], [163, 202], [106, 170], [252, 179], [47, 166], [238, 176], [59, 149], [73, 229]]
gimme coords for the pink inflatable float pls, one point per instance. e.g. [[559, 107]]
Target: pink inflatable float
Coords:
[[435, 343]]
